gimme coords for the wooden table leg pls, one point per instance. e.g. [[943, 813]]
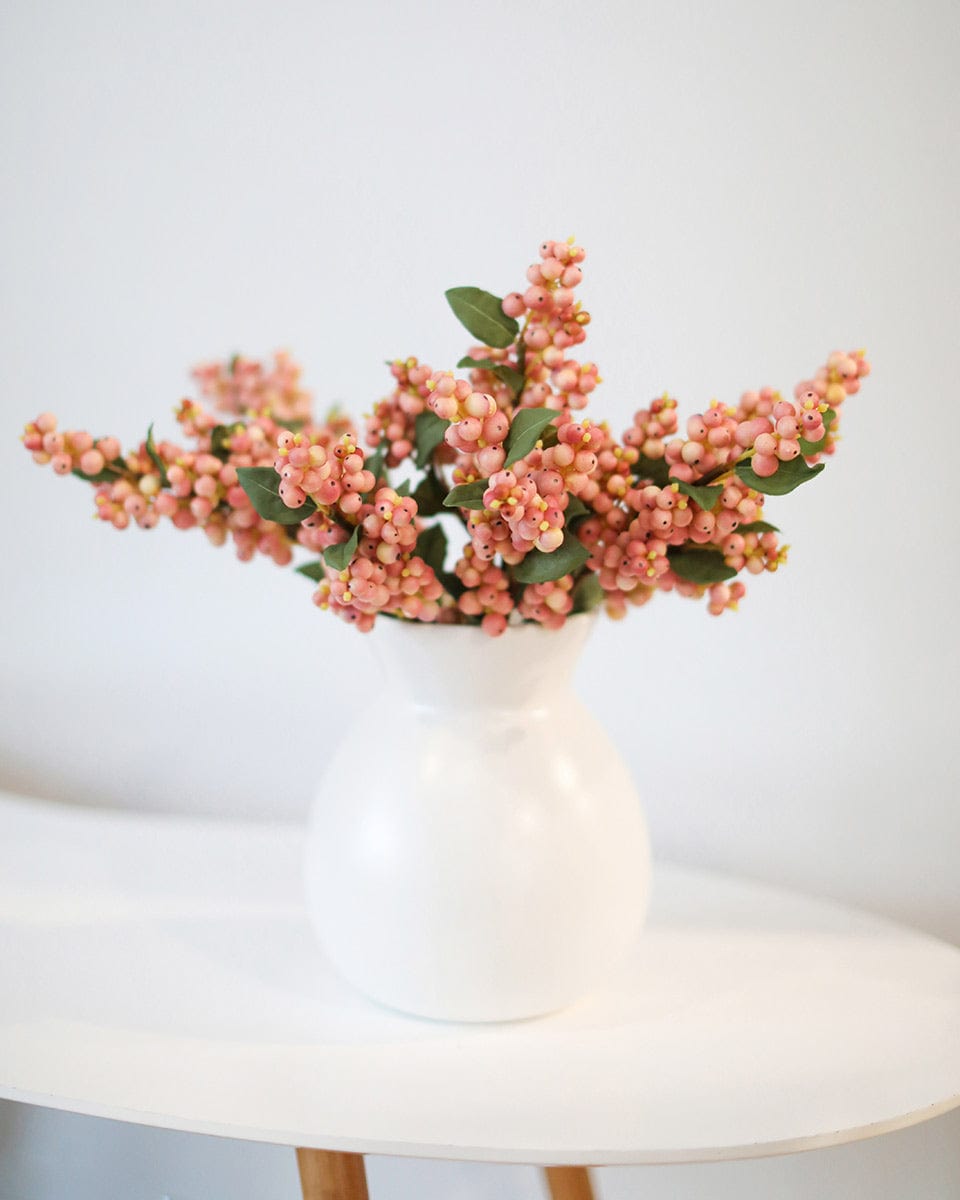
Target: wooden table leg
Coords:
[[569, 1183], [331, 1175]]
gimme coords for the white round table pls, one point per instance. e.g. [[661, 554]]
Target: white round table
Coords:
[[161, 970]]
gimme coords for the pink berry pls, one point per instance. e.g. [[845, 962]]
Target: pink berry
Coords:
[[513, 305], [765, 465], [91, 462]]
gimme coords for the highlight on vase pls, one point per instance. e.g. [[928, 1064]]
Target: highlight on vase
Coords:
[[556, 515]]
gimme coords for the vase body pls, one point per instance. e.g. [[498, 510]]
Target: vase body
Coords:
[[477, 850]]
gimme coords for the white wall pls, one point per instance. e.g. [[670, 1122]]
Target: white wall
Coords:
[[756, 184]]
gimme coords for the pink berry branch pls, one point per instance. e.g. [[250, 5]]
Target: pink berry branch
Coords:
[[558, 514]]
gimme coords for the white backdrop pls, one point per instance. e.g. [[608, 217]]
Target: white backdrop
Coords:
[[756, 184]]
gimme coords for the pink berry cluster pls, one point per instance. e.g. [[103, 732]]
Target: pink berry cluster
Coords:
[[405, 587], [196, 485], [66, 452], [556, 512], [486, 592], [477, 426], [393, 421], [310, 469], [244, 385], [554, 323]]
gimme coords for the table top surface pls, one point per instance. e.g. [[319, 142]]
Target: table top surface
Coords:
[[161, 970]]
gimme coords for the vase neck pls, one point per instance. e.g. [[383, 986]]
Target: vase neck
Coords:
[[460, 667]]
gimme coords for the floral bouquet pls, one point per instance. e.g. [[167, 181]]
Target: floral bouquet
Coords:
[[520, 896], [555, 514]]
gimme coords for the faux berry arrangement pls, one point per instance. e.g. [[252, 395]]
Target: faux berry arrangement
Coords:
[[555, 514]]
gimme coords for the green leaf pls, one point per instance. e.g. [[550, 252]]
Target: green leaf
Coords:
[[219, 436], [575, 509], [513, 379], [699, 566], [432, 547], [539, 567], [653, 469], [312, 570], [429, 495], [453, 584], [789, 475], [525, 430], [481, 314], [706, 497], [403, 489], [338, 557], [806, 447], [587, 594], [758, 527], [155, 457], [262, 485], [429, 434], [467, 495]]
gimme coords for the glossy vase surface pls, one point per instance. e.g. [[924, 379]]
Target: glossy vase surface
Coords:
[[477, 849]]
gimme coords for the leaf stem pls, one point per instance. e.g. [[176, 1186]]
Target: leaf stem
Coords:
[[723, 469], [340, 519], [522, 358]]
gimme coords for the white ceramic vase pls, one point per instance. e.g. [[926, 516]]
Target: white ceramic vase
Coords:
[[477, 850]]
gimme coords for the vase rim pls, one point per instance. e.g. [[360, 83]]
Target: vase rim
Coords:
[[576, 619], [467, 668]]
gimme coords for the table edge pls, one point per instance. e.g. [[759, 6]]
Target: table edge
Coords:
[[516, 1156]]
